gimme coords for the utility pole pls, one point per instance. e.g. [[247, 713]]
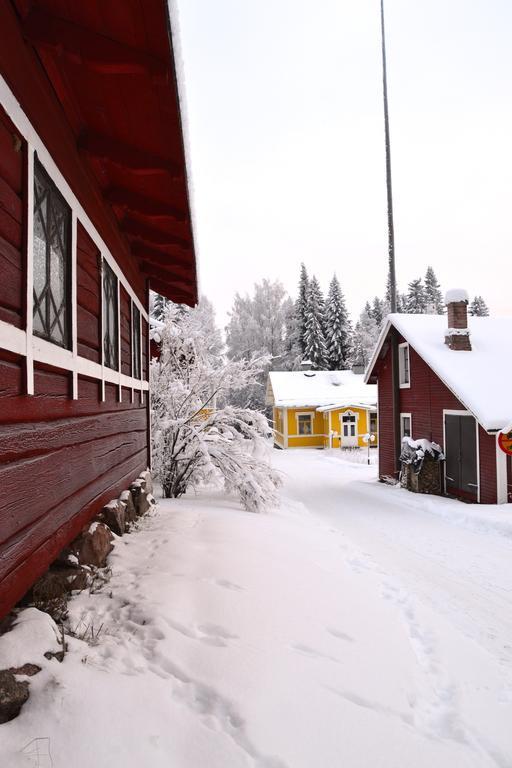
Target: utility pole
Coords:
[[391, 256], [391, 229]]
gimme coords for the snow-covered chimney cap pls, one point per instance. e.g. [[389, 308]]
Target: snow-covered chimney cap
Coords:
[[456, 295]]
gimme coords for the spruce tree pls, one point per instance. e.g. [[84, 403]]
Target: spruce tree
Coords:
[[378, 311], [478, 307], [415, 302], [315, 348], [433, 295], [160, 305], [301, 306], [338, 329]]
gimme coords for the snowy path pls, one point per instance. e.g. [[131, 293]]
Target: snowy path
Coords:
[[357, 626]]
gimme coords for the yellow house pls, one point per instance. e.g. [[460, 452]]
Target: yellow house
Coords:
[[323, 409]]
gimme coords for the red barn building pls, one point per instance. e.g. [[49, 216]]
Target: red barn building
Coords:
[[93, 211], [452, 387]]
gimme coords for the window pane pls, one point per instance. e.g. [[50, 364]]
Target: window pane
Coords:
[[136, 342], [110, 330], [52, 217]]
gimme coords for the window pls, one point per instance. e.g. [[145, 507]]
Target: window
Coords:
[[110, 319], [404, 366], [373, 422], [405, 425], [51, 255], [135, 342], [305, 424]]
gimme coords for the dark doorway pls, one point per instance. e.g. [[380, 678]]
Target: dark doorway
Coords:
[[461, 457]]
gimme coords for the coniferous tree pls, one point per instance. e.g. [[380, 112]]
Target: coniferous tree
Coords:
[[159, 308], [433, 295], [301, 306], [315, 349], [478, 307], [338, 329], [366, 334], [378, 310], [415, 302]]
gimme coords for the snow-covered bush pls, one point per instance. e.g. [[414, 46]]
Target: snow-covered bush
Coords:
[[197, 435]]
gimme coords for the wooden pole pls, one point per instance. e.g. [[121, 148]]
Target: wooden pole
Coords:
[[389, 189], [391, 254]]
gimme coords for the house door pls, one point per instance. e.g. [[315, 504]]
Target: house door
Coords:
[[348, 430], [461, 468]]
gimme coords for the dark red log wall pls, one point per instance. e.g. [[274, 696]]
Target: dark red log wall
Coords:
[[425, 400], [60, 459]]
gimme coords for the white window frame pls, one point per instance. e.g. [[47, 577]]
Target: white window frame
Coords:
[[305, 413], [402, 417], [24, 342], [401, 368]]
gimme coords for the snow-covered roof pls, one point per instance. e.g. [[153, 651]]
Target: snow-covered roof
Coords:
[[479, 378], [315, 389]]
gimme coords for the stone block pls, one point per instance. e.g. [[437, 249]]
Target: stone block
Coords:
[[94, 545], [13, 695]]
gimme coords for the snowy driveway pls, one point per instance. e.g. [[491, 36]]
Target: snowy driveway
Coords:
[[357, 627]]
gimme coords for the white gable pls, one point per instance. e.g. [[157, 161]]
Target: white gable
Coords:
[[481, 378], [300, 389]]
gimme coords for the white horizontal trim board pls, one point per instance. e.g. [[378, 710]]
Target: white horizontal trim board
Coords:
[[42, 351], [27, 130]]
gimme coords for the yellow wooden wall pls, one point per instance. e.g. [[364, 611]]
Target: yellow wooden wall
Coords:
[[320, 436]]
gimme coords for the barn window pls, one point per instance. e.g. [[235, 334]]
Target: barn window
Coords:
[[110, 318], [373, 422], [304, 422], [51, 260], [404, 367], [405, 425], [135, 342]]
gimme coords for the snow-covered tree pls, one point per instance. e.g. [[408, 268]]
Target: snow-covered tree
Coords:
[[432, 291], [292, 355], [301, 306], [478, 307], [338, 329], [366, 334], [416, 302], [315, 349], [159, 305], [378, 310], [197, 437], [258, 326]]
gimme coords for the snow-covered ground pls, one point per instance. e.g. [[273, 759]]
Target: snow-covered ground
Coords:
[[357, 626]]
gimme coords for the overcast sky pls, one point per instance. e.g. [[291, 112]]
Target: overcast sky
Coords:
[[285, 130]]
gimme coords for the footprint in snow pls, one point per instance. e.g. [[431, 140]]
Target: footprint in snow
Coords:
[[312, 653], [339, 634]]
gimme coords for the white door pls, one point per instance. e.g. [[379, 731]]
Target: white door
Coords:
[[348, 430]]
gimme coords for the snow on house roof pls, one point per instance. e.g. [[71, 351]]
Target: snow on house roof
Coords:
[[320, 389], [480, 378]]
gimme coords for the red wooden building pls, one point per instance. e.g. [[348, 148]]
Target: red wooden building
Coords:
[[93, 211], [452, 387]]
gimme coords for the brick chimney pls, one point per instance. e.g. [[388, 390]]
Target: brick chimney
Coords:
[[457, 334]]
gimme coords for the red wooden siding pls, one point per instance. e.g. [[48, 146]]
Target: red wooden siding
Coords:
[[488, 477], [11, 223], [386, 446], [125, 309], [88, 294], [425, 400], [56, 469]]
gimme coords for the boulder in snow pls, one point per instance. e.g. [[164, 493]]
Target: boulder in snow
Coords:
[[127, 499], [94, 545], [114, 515], [13, 695]]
